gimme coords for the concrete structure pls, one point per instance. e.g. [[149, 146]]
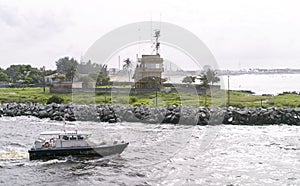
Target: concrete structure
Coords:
[[65, 87], [54, 78], [148, 72]]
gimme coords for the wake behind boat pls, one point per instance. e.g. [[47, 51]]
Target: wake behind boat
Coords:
[[55, 144]]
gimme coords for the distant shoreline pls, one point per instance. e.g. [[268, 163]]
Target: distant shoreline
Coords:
[[258, 71]]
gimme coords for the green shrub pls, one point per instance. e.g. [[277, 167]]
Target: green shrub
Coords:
[[238, 105], [55, 99], [141, 102], [132, 100], [99, 93], [168, 103]]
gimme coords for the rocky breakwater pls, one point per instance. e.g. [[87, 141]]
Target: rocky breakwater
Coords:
[[262, 116], [52, 111], [171, 114]]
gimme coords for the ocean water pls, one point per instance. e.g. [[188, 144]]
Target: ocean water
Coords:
[[157, 155], [263, 83], [258, 83]]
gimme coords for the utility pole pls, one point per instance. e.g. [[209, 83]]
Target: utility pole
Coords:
[[119, 63], [156, 92], [205, 101], [228, 92], [156, 96], [44, 81], [154, 78]]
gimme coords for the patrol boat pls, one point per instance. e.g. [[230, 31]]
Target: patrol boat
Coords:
[[56, 144]]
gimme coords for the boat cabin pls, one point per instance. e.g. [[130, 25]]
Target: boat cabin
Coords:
[[60, 139]]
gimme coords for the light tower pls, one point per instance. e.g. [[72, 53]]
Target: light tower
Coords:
[[150, 67]]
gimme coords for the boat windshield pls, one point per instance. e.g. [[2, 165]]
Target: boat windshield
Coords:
[[78, 137]]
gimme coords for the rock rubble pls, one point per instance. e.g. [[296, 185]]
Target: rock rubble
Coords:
[[171, 114]]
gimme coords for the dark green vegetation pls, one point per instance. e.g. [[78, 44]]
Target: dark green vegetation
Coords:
[[67, 69], [237, 99], [55, 99], [23, 75], [84, 71]]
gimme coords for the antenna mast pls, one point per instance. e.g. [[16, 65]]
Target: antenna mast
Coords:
[[157, 44]]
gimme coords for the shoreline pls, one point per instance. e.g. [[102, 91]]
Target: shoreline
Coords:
[[172, 114]]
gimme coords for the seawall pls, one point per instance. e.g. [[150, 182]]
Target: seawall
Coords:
[[145, 114]]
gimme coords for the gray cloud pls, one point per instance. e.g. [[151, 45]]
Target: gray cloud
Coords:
[[31, 26], [8, 16], [255, 33]]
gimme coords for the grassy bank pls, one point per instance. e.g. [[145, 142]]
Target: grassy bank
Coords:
[[28, 95], [237, 99]]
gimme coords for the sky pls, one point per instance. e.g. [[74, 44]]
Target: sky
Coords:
[[240, 34]]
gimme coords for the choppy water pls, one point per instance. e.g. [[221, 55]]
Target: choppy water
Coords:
[[157, 155]]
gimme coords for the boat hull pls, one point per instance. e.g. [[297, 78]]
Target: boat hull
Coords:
[[96, 151]]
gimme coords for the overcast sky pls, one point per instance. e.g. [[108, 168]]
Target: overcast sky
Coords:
[[240, 34]]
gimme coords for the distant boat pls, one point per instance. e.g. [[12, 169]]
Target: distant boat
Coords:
[[55, 144]]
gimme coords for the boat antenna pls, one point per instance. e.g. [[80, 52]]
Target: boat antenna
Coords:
[[64, 120]]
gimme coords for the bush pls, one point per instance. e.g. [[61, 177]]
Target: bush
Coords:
[[237, 105], [55, 99], [141, 103], [169, 103], [132, 100]]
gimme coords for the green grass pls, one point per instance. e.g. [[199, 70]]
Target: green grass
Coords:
[[29, 95], [287, 100], [237, 99]]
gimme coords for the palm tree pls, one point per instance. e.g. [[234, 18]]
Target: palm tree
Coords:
[[204, 81], [189, 79], [210, 76], [127, 66]]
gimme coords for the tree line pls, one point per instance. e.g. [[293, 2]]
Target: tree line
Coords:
[[84, 71], [67, 69], [23, 74]]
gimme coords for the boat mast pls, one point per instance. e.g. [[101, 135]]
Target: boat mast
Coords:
[[64, 120]]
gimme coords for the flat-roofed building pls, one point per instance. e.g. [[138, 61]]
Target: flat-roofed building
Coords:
[[148, 72]]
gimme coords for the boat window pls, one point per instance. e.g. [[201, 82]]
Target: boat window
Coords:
[[80, 137], [65, 137], [41, 138], [73, 138]]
